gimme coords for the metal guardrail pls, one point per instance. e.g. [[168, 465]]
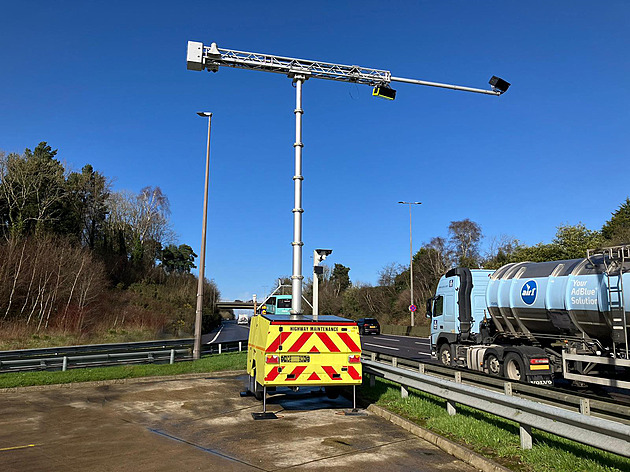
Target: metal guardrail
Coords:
[[611, 408], [95, 355], [87, 348], [597, 432]]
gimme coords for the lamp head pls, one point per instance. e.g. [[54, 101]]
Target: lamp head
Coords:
[[499, 84]]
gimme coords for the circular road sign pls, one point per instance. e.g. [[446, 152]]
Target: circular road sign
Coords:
[[413, 307]]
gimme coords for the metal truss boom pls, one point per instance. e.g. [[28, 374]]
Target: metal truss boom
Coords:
[[202, 57]]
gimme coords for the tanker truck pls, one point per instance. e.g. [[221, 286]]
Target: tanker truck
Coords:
[[537, 322]]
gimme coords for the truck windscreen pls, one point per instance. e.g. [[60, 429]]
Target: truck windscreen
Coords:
[[284, 303]]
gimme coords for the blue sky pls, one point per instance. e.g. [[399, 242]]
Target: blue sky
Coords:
[[106, 84]]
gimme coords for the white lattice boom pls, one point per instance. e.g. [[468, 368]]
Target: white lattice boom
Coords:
[[202, 57]]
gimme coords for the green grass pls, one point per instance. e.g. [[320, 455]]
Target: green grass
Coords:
[[227, 361], [492, 436]]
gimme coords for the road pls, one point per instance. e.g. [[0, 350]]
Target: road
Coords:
[[417, 349], [229, 331]]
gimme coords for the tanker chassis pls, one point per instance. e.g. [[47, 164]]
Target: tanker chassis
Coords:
[[536, 322]]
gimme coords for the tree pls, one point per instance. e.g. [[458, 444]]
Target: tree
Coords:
[[617, 229], [464, 238], [501, 251], [33, 192], [537, 253], [137, 225], [89, 192], [570, 242], [430, 263], [387, 275], [573, 241], [177, 259], [340, 279]]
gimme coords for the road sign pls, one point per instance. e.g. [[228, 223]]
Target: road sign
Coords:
[[413, 308]]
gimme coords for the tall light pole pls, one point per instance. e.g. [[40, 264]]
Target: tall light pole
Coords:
[[411, 259], [202, 255]]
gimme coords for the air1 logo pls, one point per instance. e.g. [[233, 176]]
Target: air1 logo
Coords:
[[528, 292]]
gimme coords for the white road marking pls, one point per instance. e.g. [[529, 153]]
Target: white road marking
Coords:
[[426, 342], [384, 347], [395, 340], [214, 339], [424, 353]]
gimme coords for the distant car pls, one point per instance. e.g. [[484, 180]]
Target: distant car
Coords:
[[368, 326], [242, 320]]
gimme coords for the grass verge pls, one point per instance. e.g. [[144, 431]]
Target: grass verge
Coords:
[[227, 361], [492, 436]]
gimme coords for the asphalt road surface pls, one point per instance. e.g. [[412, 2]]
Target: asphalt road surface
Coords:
[[229, 331], [417, 349]]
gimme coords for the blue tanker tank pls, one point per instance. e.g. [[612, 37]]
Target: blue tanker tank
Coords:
[[537, 321], [571, 298]]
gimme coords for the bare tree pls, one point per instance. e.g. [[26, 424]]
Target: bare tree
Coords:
[[464, 238]]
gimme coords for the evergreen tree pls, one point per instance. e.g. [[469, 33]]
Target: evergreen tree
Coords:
[[178, 259], [617, 229], [340, 279]]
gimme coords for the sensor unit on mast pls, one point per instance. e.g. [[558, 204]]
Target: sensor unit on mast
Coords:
[[384, 92]]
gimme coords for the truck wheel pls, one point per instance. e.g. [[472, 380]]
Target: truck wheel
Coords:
[[493, 365], [446, 354], [514, 368], [332, 392]]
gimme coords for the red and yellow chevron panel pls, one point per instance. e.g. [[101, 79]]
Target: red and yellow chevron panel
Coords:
[[290, 353], [289, 341], [313, 373]]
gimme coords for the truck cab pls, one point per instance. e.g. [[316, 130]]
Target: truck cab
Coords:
[[456, 310]]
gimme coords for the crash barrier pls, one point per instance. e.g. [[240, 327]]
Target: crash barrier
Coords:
[[417, 331], [601, 406], [600, 433], [73, 357]]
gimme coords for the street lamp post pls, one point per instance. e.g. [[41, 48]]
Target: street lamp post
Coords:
[[411, 259], [202, 255]]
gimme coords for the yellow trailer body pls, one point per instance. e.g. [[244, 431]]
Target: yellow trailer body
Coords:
[[286, 352]]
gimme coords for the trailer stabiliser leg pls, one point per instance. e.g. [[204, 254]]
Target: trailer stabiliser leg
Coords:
[[264, 415], [354, 411]]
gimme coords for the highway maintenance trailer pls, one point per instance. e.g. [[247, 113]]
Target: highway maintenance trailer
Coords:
[[296, 351]]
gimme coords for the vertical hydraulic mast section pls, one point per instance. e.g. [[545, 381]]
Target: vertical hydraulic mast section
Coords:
[[200, 57], [297, 277]]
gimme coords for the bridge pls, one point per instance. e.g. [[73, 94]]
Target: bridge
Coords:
[[235, 305]]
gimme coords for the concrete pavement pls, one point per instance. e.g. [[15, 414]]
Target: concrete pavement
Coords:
[[188, 423]]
